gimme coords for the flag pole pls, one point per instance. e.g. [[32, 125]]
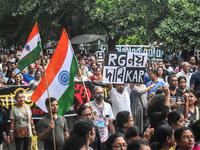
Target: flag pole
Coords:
[[54, 141], [86, 93]]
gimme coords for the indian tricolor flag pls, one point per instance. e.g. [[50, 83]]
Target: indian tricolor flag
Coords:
[[32, 49], [60, 77]]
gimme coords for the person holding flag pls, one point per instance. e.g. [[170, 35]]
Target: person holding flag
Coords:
[[58, 82], [59, 124]]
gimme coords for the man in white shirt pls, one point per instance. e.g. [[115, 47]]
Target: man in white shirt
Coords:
[[120, 97], [103, 114], [186, 73]]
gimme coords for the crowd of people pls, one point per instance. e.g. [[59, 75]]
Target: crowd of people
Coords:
[[161, 113]]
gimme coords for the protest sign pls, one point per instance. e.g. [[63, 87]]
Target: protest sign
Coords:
[[7, 94], [122, 67], [100, 56]]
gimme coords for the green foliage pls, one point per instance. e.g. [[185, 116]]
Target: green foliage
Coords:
[[180, 31]]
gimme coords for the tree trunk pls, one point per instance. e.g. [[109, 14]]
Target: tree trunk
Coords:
[[112, 42]]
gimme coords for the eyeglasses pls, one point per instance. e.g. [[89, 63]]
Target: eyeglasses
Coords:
[[188, 137], [99, 93], [120, 146]]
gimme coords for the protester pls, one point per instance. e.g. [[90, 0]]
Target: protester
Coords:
[[176, 119], [176, 98], [195, 80], [161, 74], [182, 84], [146, 77], [98, 76], [179, 68], [120, 97], [83, 134], [24, 82], [139, 106], [103, 114], [116, 141], [18, 80], [31, 74], [196, 130], [11, 80], [1, 80], [186, 73], [164, 138], [197, 103], [37, 78], [84, 112], [192, 62], [45, 127], [184, 138], [138, 145], [133, 133], [153, 75], [3, 126], [159, 108], [123, 121], [20, 116], [193, 111], [168, 65]]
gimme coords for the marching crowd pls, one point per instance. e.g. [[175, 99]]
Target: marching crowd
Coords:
[[162, 113]]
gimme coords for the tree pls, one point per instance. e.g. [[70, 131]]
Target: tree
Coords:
[[124, 18], [180, 31]]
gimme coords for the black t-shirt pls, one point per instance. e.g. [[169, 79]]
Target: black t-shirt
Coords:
[[177, 97]]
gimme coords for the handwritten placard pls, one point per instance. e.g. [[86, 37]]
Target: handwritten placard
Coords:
[[100, 56], [122, 67]]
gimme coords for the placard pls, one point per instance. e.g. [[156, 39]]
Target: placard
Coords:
[[122, 67]]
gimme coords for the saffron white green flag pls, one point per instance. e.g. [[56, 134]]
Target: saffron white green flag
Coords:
[[60, 74], [32, 49]]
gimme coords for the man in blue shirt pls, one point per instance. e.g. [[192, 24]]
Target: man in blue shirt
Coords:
[[195, 80], [31, 74], [153, 76]]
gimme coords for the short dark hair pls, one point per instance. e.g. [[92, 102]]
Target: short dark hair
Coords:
[[111, 140], [170, 76], [17, 94], [122, 118], [182, 77], [132, 132], [173, 117], [191, 57], [51, 99], [198, 94], [178, 132], [196, 129], [136, 144], [154, 71], [82, 127], [81, 109]]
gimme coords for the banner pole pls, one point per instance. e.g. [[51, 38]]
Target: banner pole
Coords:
[[54, 141], [86, 93]]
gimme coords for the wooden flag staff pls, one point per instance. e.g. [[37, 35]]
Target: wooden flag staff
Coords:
[[54, 141], [86, 93]]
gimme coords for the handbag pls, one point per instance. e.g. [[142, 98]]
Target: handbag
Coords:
[[23, 132]]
